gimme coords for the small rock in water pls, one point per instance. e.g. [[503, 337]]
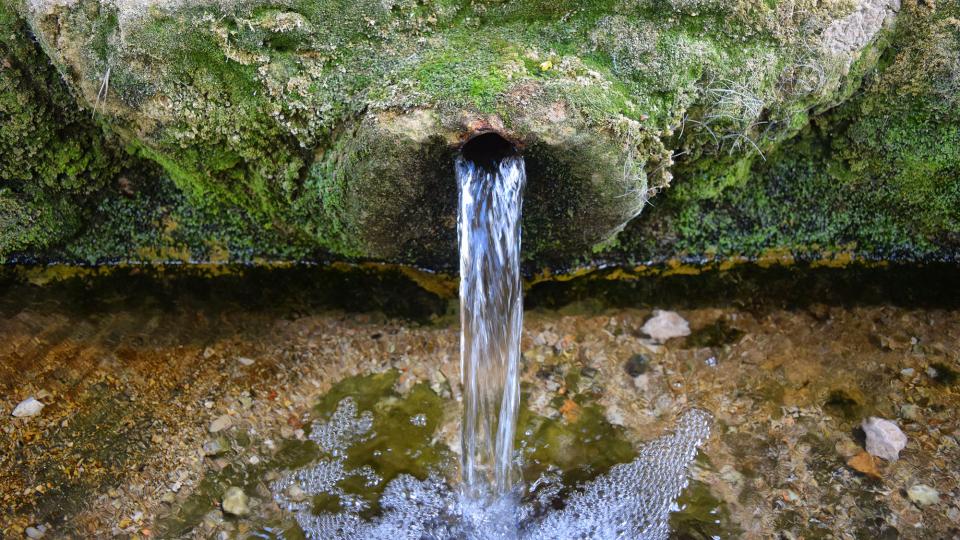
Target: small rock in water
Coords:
[[866, 464], [589, 372], [246, 361], [216, 447], [221, 423], [923, 495], [419, 420], [296, 493], [665, 325], [36, 532], [637, 365], [910, 412], [28, 407], [847, 448], [235, 502], [884, 438]]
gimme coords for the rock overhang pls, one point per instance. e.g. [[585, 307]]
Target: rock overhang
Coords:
[[343, 130]]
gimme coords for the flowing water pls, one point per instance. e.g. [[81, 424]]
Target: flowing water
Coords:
[[491, 321]]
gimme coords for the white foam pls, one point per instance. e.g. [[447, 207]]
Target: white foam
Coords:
[[633, 500]]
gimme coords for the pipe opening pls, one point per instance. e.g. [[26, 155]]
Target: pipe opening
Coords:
[[487, 150]]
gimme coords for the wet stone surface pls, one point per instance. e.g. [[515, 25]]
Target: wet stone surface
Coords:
[[123, 446]]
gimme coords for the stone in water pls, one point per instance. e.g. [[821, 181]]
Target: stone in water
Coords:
[[923, 495], [884, 438], [235, 502], [36, 533], [665, 325], [28, 407], [221, 424]]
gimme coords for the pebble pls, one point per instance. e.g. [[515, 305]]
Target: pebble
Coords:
[[923, 495], [615, 416], [246, 361], [732, 476], [884, 438], [296, 493], [637, 365], [910, 412], [846, 447], [235, 502], [36, 532], [28, 407], [954, 515], [221, 423], [216, 447], [665, 325]]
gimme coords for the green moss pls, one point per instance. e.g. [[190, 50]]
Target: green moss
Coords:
[[878, 175], [272, 120], [55, 160], [458, 80]]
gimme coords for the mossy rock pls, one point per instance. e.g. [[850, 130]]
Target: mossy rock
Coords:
[[335, 122], [298, 129], [877, 176], [53, 158]]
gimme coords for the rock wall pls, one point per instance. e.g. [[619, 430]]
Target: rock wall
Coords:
[[327, 129]]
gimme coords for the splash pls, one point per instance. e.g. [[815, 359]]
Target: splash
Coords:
[[632, 501]]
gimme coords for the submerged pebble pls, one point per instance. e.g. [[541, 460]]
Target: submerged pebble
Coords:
[[637, 365], [296, 494], [28, 407], [910, 412], [923, 495], [665, 325], [36, 532], [235, 502], [884, 438], [216, 447], [221, 423]]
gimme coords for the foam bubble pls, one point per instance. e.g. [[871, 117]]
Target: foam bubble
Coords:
[[633, 500]]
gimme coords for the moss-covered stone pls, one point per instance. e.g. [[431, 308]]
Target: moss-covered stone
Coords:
[[878, 176], [53, 157], [298, 129]]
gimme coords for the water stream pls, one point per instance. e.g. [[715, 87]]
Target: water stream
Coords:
[[491, 321]]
